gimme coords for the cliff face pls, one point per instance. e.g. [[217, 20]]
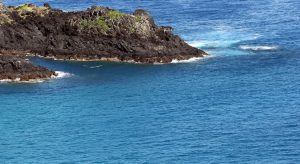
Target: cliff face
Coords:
[[98, 33]]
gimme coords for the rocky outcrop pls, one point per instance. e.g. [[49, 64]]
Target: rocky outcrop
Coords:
[[99, 33], [16, 69]]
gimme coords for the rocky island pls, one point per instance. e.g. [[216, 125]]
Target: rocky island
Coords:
[[97, 34]]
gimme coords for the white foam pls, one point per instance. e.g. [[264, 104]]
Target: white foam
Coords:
[[258, 47], [213, 43], [18, 80], [191, 60], [10, 80], [195, 43], [61, 74], [33, 81]]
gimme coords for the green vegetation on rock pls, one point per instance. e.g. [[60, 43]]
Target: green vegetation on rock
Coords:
[[112, 20], [103, 22], [24, 7], [30, 8], [138, 19], [97, 23], [113, 14]]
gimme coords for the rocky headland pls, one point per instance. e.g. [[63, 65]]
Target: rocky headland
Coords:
[[97, 34]]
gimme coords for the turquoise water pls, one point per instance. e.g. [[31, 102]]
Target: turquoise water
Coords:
[[241, 105]]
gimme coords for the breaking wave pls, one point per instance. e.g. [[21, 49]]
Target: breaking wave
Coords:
[[61, 74]]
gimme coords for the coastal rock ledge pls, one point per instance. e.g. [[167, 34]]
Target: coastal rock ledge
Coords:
[[14, 69]]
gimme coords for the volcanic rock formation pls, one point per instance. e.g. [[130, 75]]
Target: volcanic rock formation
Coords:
[[99, 33]]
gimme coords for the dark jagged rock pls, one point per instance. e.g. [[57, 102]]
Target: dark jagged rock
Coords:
[[16, 69], [99, 33]]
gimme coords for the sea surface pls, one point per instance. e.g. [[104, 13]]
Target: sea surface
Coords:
[[240, 105]]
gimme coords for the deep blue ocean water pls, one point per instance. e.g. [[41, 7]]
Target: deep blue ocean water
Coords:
[[241, 105]]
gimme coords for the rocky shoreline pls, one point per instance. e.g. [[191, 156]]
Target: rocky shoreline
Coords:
[[15, 69], [97, 34]]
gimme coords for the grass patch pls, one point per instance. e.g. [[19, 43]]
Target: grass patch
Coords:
[[30, 8], [97, 23], [113, 14], [24, 8]]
